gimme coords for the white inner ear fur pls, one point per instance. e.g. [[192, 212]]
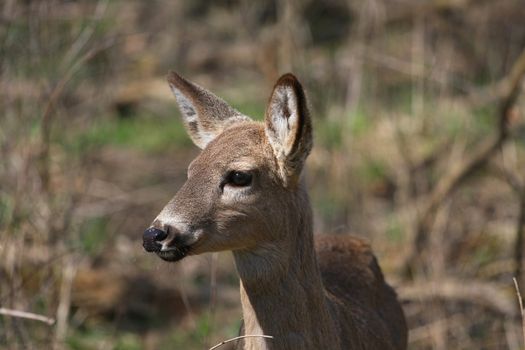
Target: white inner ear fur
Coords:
[[189, 112], [283, 102]]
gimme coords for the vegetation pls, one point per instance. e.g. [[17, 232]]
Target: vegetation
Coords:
[[420, 147]]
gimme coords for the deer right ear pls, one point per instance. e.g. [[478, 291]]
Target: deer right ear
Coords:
[[204, 114], [288, 127]]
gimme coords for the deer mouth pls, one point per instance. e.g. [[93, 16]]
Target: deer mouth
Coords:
[[173, 253]]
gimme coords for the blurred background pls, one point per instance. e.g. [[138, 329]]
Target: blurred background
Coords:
[[419, 147]]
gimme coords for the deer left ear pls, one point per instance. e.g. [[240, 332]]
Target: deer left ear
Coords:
[[204, 114], [288, 127]]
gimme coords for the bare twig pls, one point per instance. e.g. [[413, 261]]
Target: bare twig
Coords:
[[518, 187], [472, 291], [185, 299], [213, 295], [120, 202], [397, 14], [501, 89], [508, 177], [240, 337], [479, 158], [64, 304], [27, 315], [87, 33], [447, 185], [419, 333], [35, 272], [520, 240], [47, 116], [522, 310]]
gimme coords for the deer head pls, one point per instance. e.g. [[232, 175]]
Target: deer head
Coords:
[[242, 191]]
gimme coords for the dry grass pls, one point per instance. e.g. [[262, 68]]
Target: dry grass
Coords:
[[419, 147]]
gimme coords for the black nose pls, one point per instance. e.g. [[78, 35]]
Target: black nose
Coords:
[[151, 238]]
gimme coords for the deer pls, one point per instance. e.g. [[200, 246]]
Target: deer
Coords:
[[245, 193]]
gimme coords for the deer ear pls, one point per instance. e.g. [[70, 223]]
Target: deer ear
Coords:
[[288, 127], [204, 114]]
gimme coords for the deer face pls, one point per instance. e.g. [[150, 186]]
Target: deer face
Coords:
[[241, 189]]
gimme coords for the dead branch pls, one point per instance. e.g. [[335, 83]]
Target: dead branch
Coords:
[[484, 294], [397, 14], [120, 202], [507, 176], [213, 294], [240, 337], [27, 315], [54, 97], [522, 310], [520, 240], [64, 303], [517, 186], [421, 332], [450, 181], [502, 89]]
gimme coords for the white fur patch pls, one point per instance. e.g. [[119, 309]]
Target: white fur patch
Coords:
[[284, 120], [232, 194], [167, 219], [188, 110]]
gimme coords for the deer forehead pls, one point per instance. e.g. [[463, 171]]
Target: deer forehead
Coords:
[[241, 147]]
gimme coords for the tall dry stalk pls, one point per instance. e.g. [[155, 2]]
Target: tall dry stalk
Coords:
[[522, 310]]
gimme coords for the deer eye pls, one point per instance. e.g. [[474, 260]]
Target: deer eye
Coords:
[[239, 178]]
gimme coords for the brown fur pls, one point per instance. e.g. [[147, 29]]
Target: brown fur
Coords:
[[328, 296]]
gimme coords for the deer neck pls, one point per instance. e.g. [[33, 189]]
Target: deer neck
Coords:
[[282, 294]]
